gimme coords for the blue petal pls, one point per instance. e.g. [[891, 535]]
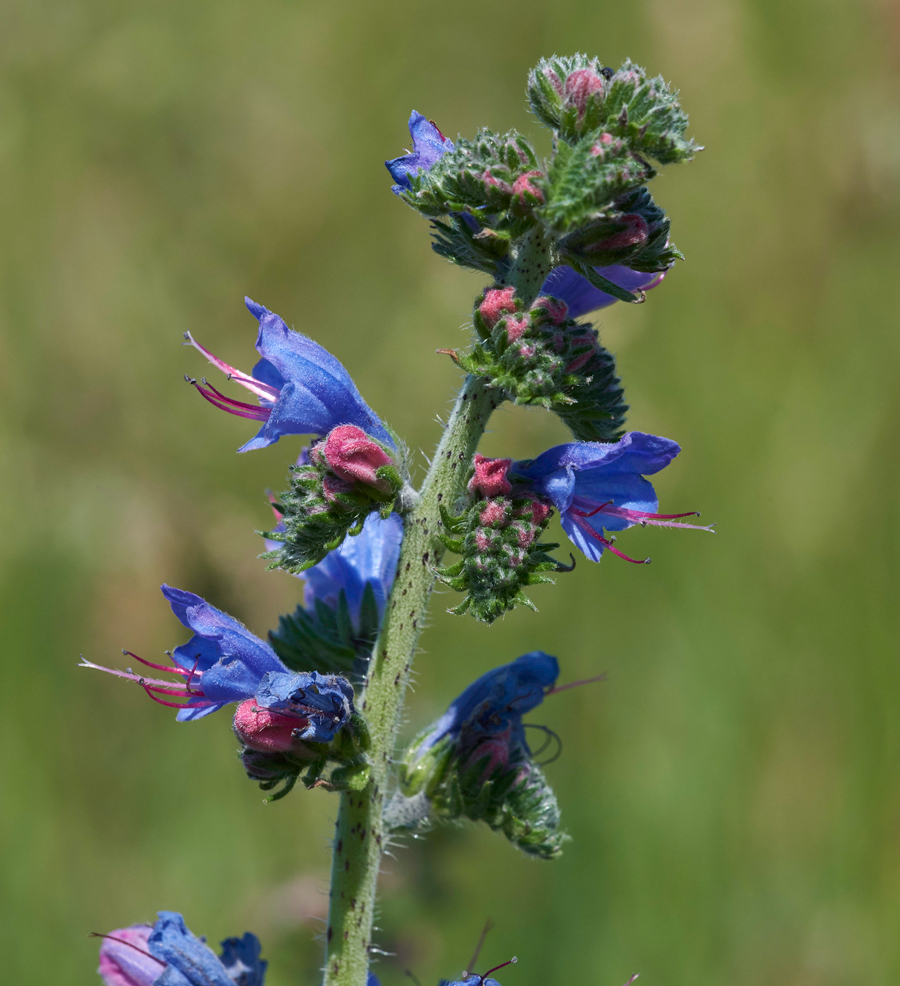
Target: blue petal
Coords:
[[498, 697], [582, 297], [634, 452], [242, 658], [369, 558], [325, 700], [185, 954], [316, 393], [428, 146], [240, 957]]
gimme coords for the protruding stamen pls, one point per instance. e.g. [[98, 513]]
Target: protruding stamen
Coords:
[[576, 684], [165, 687], [607, 542], [488, 925], [178, 705], [502, 965], [159, 667], [121, 941], [228, 400], [642, 517], [264, 390], [256, 413]]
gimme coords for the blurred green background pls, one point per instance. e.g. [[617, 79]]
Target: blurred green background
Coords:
[[733, 791]]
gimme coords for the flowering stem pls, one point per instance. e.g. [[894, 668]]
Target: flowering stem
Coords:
[[360, 837]]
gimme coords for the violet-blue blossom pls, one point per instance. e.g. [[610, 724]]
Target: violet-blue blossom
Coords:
[[493, 705], [429, 144], [599, 487], [225, 663], [582, 297], [169, 954], [302, 389], [370, 558]]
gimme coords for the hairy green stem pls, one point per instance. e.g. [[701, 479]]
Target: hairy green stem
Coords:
[[360, 837]]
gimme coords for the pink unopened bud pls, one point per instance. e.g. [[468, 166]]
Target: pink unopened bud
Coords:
[[493, 182], [493, 515], [635, 233], [527, 352], [490, 476], [516, 327], [580, 85], [355, 457], [557, 311], [600, 146], [497, 303], [536, 511], [524, 186], [267, 731]]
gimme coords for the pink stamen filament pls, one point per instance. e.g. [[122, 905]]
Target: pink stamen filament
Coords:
[[641, 517], [256, 413], [229, 400], [264, 390], [503, 965], [576, 684], [159, 667], [121, 941], [176, 705], [165, 687]]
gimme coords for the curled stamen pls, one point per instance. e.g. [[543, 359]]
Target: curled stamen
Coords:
[[608, 543], [551, 736], [502, 965], [248, 411], [177, 705], [257, 387], [228, 400]]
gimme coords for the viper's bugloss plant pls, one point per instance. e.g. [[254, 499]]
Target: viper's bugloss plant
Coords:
[[321, 700]]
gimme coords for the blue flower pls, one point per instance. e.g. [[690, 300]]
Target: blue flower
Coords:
[[302, 389], [599, 487], [429, 144], [370, 558], [224, 663], [582, 297], [491, 708], [169, 954]]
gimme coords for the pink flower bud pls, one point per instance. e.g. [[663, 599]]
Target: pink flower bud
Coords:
[[493, 515], [536, 511], [497, 303], [516, 327], [267, 731], [355, 457], [125, 959], [490, 476], [523, 186], [580, 85], [635, 233], [557, 311]]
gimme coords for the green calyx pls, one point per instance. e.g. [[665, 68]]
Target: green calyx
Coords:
[[321, 509], [497, 538], [577, 95], [512, 797], [341, 765]]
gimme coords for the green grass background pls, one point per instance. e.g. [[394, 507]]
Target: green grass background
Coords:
[[733, 791]]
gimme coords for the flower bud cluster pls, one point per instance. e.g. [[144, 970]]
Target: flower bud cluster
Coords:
[[348, 475], [498, 538], [577, 96], [542, 357], [474, 762]]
